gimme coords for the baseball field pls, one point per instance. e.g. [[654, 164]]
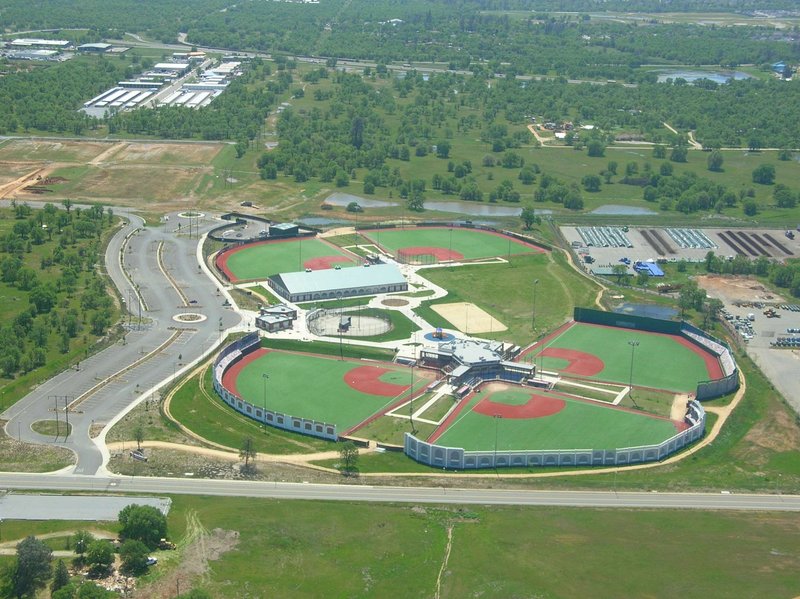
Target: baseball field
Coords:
[[265, 258], [610, 354], [516, 418], [446, 243], [341, 392]]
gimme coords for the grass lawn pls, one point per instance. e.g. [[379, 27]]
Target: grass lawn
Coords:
[[260, 260], [660, 361], [199, 408], [579, 425], [471, 244], [305, 546], [321, 393], [506, 292]]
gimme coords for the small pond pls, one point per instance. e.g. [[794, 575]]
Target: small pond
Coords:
[[690, 76], [619, 210], [648, 310]]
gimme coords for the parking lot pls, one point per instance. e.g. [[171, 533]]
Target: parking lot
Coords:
[[607, 246], [760, 333]]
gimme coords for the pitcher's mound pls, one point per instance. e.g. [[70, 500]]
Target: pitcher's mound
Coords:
[[469, 318]]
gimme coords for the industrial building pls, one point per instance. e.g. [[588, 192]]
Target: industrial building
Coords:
[[25, 42], [97, 48], [338, 283]]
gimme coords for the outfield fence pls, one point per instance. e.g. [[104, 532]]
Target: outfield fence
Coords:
[[457, 458], [705, 390], [232, 354]]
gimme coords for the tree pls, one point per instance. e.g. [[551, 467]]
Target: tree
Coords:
[[591, 183], [643, 278], [138, 434], [144, 523], [595, 148], [32, 569], [61, 576], [659, 151], [355, 206], [715, 161], [678, 154], [750, 208], [134, 557], [764, 174], [247, 452], [81, 540], [443, 149], [349, 457], [100, 556], [529, 217], [619, 270]]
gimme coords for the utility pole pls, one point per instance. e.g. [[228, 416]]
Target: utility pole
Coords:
[[634, 345]]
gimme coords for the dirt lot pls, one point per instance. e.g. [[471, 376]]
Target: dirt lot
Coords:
[[155, 153], [737, 289], [45, 150]]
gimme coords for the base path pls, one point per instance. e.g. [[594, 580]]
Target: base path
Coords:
[[580, 363], [539, 406], [366, 379]]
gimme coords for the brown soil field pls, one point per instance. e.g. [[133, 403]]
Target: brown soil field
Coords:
[[137, 185], [163, 153], [737, 288], [47, 149], [11, 171]]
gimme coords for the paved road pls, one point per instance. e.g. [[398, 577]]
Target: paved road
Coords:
[[599, 499], [154, 349]]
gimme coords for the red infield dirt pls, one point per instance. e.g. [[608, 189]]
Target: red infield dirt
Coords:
[[539, 406], [230, 376], [366, 379], [438, 253], [580, 363], [324, 262]]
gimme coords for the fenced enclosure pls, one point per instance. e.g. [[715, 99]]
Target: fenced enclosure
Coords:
[[348, 322]]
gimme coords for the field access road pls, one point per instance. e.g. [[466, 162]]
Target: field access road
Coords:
[[428, 495], [158, 277]]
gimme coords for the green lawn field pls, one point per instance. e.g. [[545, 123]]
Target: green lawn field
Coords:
[[472, 244], [261, 260], [660, 361], [580, 425], [314, 387]]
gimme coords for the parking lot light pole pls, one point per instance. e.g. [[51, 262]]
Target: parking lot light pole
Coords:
[[634, 345], [265, 376]]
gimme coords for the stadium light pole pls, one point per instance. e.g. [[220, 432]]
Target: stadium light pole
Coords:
[[533, 315], [265, 376], [634, 345]]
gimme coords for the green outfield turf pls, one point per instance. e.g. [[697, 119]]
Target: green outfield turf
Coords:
[[261, 260], [314, 387], [660, 361], [470, 243], [579, 425]]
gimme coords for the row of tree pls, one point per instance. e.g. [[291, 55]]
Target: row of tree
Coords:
[[48, 264]]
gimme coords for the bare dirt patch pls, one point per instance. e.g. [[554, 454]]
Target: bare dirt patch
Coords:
[[161, 153], [777, 432], [42, 150], [16, 456], [678, 409], [199, 547], [394, 302], [469, 318], [732, 289], [137, 184]]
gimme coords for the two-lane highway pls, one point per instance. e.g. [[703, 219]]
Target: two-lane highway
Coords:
[[426, 495]]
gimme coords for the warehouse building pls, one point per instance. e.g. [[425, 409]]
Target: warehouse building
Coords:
[[97, 48], [25, 42], [337, 283]]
